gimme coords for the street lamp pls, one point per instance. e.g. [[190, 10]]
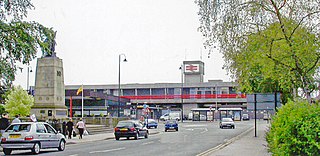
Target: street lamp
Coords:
[[119, 92], [181, 91], [29, 71]]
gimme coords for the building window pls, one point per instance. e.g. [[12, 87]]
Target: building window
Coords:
[[143, 92], [157, 91], [128, 92], [170, 91]]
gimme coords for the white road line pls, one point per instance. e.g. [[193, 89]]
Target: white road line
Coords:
[[74, 155], [205, 130], [104, 151], [148, 143]]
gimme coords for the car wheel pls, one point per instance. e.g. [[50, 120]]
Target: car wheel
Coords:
[[146, 135], [155, 127], [62, 145], [36, 148], [7, 151], [176, 129], [128, 138], [165, 130], [137, 136], [117, 138]]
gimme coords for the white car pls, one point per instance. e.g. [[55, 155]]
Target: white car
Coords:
[[227, 122], [31, 135]]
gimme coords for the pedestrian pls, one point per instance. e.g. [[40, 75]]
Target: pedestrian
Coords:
[[64, 128], [81, 126], [16, 120], [4, 122], [70, 128]]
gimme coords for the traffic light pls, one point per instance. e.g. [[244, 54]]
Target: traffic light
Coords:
[[49, 112]]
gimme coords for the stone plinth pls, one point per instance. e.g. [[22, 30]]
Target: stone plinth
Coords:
[[49, 89]]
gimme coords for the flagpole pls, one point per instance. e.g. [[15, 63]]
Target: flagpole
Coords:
[[82, 101]]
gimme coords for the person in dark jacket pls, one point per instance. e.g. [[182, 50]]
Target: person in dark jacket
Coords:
[[4, 122], [64, 128], [70, 128]]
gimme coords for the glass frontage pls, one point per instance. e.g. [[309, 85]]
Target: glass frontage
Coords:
[[143, 91]]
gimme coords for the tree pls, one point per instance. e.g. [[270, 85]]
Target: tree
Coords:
[[279, 40], [18, 101], [19, 39]]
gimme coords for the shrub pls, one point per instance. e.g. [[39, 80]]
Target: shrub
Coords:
[[295, 130]]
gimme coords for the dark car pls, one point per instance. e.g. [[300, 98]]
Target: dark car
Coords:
[[130, 128], [171, 125], [227, 122], [151, 123], [245, 117], [31, 135]]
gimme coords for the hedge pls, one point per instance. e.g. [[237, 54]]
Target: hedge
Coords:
[[295, 129]]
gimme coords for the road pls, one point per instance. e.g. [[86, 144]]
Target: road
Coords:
[[192, 139]]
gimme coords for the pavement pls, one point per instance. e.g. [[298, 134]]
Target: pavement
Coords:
[[245, 144]]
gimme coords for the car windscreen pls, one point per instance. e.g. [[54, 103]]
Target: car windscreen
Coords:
[[125, 124], [19, 128], [170, 122], [226, 119]]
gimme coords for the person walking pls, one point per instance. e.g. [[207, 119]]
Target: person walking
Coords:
[[64, 128], [4, 122], [70, 128], [81, 126], [16, 120]]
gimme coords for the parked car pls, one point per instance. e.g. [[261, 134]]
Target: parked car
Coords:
[[171, 125], [245, 117], [151, 123], [31, 135], [130, 128], [227, 122]]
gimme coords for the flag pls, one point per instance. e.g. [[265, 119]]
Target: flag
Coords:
[[33, 118], [70, 106], [80, 90]]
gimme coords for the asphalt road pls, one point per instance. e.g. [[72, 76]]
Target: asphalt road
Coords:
[[193, 138]]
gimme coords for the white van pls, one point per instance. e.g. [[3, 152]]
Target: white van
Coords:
[[170, 116]]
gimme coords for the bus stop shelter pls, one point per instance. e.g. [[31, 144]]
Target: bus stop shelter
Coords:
[[234, 113]]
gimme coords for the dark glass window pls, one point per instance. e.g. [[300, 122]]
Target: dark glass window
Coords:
[[157, 91], [170, 91], [128, 92], [143, 91]]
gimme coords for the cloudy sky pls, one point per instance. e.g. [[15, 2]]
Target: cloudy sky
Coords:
[[155, 36]]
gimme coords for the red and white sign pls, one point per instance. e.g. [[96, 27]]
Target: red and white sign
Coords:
[[192, 68]]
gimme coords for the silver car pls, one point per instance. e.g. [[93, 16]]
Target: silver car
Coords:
[[227, 122], [31, 135]]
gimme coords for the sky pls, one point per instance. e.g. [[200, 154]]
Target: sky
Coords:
[[155, 36]]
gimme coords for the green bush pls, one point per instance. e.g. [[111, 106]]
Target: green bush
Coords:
[[295, 130]]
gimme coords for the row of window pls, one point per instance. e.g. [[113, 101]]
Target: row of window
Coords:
[[174, 91]]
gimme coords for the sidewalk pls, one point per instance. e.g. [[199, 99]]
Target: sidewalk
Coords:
[[246, 144]]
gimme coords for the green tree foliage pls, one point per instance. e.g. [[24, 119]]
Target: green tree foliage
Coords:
[[295, 130], [18, 102], [19, 39], [2, 110], [278, 39]]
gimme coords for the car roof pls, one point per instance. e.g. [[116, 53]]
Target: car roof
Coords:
[[28, 123]]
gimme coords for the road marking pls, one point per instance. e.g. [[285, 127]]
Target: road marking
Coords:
[[205, 130], [146, 143], [104, 151], [74, 155]]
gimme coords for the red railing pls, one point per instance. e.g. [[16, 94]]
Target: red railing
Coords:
[[185, 96]]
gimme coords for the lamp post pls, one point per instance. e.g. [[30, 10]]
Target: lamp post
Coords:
[[181, 91], [29, 71], [119, 92]]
